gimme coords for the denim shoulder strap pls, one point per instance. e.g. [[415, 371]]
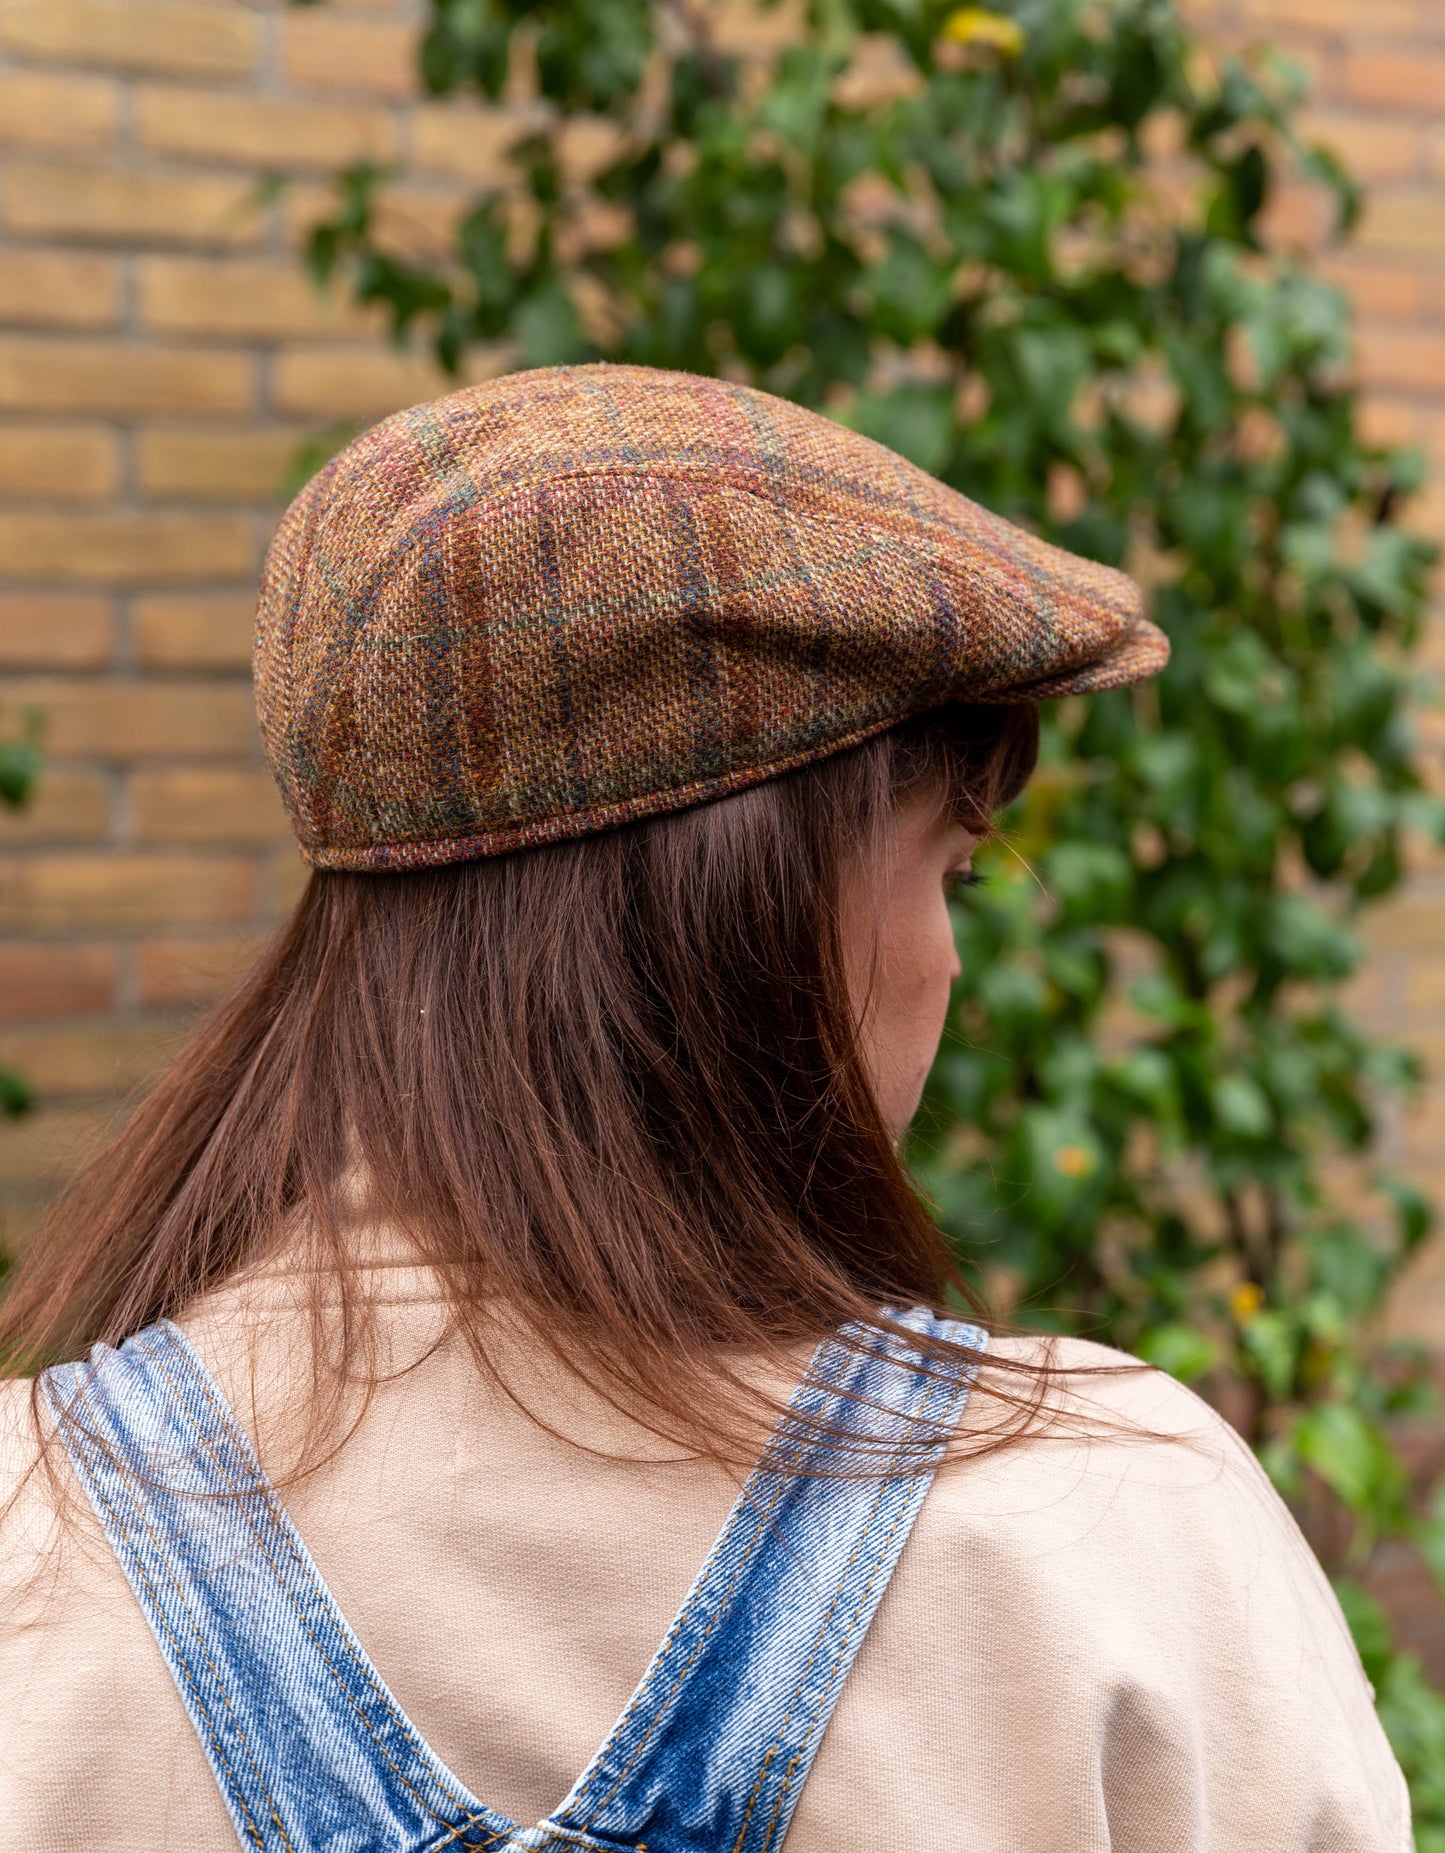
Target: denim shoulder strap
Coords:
[[311, 1751], [712, 1753]]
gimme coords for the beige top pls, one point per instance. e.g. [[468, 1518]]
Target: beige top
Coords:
[[1089, 1644]]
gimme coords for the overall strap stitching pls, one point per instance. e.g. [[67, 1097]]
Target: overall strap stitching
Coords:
[[451, 1838], [773, 1748], [262, 1487], [821, 1711], [698, 1646], [764, 1514], [823, 1626], [155, 1610]]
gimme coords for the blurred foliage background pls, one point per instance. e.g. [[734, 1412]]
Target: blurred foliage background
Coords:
[[1024, 247], [19, 769]]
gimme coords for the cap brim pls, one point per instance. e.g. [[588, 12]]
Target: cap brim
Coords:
[[1137, 653]]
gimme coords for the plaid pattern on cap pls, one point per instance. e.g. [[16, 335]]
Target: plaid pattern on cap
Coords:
[[573, 597]]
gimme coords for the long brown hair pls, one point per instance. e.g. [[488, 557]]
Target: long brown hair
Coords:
[[612, 1084]]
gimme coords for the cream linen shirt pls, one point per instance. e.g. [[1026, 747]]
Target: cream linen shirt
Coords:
[[1089, 1644]]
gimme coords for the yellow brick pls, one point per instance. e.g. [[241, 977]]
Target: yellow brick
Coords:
[[1425, 984], [193, 631], [1407, 220], [1416, 1308], [37, 374], [190, 295], [327, 51], [123, 207], [1392, 291], [744, 29], [49, 1145], [1298, 217], [290, 878], [417, 222], [40, 110], [1402, 358], [125, 548], [210, 805], [1415, 921], [1395, 78], [20, 1217], [1387, 420], [104, 719], [89, 1058], [62, 463], [42, 979], [260, 132], [468, 141], [189, 41], [59, 289], [180, 969], [121, 893], [64, 807], [1372, 146], [587, 144], [1385, 16], [54, 630], [330, 382], [1427, 509], [215, 466]]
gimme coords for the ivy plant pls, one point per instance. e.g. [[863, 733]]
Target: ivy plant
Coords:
[[1031, 249], [19, 769]]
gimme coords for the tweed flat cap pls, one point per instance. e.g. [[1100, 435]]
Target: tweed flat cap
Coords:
[[577, 596]]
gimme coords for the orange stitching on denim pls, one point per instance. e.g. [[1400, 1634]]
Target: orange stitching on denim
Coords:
[[807, 1668], [451, 1839], [141, 1572], [259, 1485], [785, 1786], [95, 1439]]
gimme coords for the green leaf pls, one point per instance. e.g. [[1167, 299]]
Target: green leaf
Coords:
[[1271, 1343], [548, 329], [15, 1095], [917, 421], [1347, 1451], [1242, 1107], [20, 761], [1179, 1349]]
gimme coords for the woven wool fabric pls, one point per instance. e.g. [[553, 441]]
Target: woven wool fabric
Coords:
[[573, 597]]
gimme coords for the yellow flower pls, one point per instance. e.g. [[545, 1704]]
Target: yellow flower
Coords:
[[1245, 1301], [1074, 1160], [975, 25]]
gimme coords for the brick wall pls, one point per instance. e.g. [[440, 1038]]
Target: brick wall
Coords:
[[161, 357]]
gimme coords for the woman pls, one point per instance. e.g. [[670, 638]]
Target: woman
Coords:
[[531, 1217]]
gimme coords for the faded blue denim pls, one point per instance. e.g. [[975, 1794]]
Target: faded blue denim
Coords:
[[312, 1753]]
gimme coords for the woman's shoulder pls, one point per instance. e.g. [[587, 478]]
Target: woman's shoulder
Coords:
[[1105, 1546], [20, 1437], [31, 1494], [1114, 1467]]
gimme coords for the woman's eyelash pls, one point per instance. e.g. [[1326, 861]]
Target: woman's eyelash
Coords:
[[965, 878]]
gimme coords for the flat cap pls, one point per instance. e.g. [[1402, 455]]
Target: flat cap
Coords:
[[576, 596]]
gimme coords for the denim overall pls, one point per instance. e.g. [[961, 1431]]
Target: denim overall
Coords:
[[311, 1751]]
